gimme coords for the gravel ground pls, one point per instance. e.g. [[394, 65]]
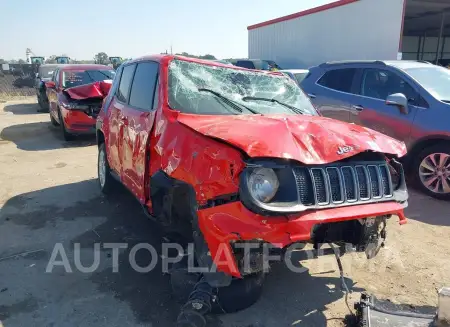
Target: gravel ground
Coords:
[[49, 195]]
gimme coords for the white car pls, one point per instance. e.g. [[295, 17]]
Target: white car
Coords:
[[296, 74]]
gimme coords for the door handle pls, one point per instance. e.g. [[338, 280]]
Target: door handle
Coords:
[[312, 95], [358, 107]]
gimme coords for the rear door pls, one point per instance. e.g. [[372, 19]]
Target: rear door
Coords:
[[139, 116], [375, 84], [332, 94], [116, 123]]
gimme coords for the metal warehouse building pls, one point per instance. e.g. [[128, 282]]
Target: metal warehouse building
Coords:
[[355, 30]]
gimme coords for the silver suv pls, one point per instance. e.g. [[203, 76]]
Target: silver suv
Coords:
[[408, 100]]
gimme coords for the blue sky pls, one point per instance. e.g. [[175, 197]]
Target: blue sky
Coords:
[[133, 28]]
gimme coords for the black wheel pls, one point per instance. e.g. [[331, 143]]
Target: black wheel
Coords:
[[53, 120], [241, 294], [43, 104], [105, 180], [66, 135], [432, 171]]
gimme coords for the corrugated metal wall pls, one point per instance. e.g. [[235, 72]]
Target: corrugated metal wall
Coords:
[[367, 29]]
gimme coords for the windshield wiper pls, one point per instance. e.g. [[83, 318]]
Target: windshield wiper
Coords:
[[233, 104], [296, 110]]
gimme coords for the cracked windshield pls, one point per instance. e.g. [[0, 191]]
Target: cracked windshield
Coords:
[[216, 90]]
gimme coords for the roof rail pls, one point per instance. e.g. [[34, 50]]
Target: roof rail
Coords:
[[378, 62]]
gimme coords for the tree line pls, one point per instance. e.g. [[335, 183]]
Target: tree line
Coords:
[[100, 58]]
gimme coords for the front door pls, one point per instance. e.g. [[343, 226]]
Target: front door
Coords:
[[373, 112], [139, 116]]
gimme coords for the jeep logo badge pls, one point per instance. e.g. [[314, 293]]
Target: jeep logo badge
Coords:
[[344, 149]]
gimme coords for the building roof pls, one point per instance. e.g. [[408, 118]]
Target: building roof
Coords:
[[335, 4]]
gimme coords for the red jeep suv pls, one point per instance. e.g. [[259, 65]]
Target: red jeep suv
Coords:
[[75, 94], [223, 155]]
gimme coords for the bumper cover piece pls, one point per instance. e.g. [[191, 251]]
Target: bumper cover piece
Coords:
[[233, 221]]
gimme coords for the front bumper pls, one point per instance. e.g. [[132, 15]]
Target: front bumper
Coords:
[[233, 222], [78, 122]]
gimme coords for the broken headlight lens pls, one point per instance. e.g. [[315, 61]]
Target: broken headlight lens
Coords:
[[74, 105], [263, 184]]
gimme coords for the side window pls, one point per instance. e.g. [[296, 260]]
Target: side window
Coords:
[[379, 83], [114, 88], [125, 83], [56, 75], [245, 63], [156, 98], [143, 87], [338, 79]]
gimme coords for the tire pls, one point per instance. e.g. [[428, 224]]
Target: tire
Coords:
[[105, 181], [427, 169], [53, 120], [241, 294], [66, 135], [42, 104]]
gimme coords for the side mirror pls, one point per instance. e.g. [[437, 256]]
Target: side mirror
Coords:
[[399, 100], [50, 85]]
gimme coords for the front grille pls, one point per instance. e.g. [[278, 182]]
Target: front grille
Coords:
[[321, 186]]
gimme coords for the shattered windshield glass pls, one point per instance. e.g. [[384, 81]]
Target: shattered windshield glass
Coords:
[[232, 92]]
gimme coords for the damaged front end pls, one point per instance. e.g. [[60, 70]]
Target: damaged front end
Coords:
[[302, 177], [87, 98]]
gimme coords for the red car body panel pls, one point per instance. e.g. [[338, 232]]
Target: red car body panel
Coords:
[[308, 139], [76, 121], [202, 152], [234, 222]]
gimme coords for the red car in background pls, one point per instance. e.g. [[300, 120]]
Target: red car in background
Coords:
[[75, 94]]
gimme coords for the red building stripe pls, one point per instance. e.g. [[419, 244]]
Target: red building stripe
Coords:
[[332, 5]]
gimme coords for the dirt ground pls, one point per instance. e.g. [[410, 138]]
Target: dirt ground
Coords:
[[49, 195]]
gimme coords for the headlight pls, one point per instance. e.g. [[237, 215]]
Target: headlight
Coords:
[[74, 105], [263, 184]]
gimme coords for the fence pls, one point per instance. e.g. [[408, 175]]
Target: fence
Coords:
[[17, 79]]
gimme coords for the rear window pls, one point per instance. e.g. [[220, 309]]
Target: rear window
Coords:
[[245, 63], [73, 78], [338, 79], [46, 72]]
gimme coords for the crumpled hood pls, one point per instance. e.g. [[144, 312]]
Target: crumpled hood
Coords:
[[93, 90], [308, 139]]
